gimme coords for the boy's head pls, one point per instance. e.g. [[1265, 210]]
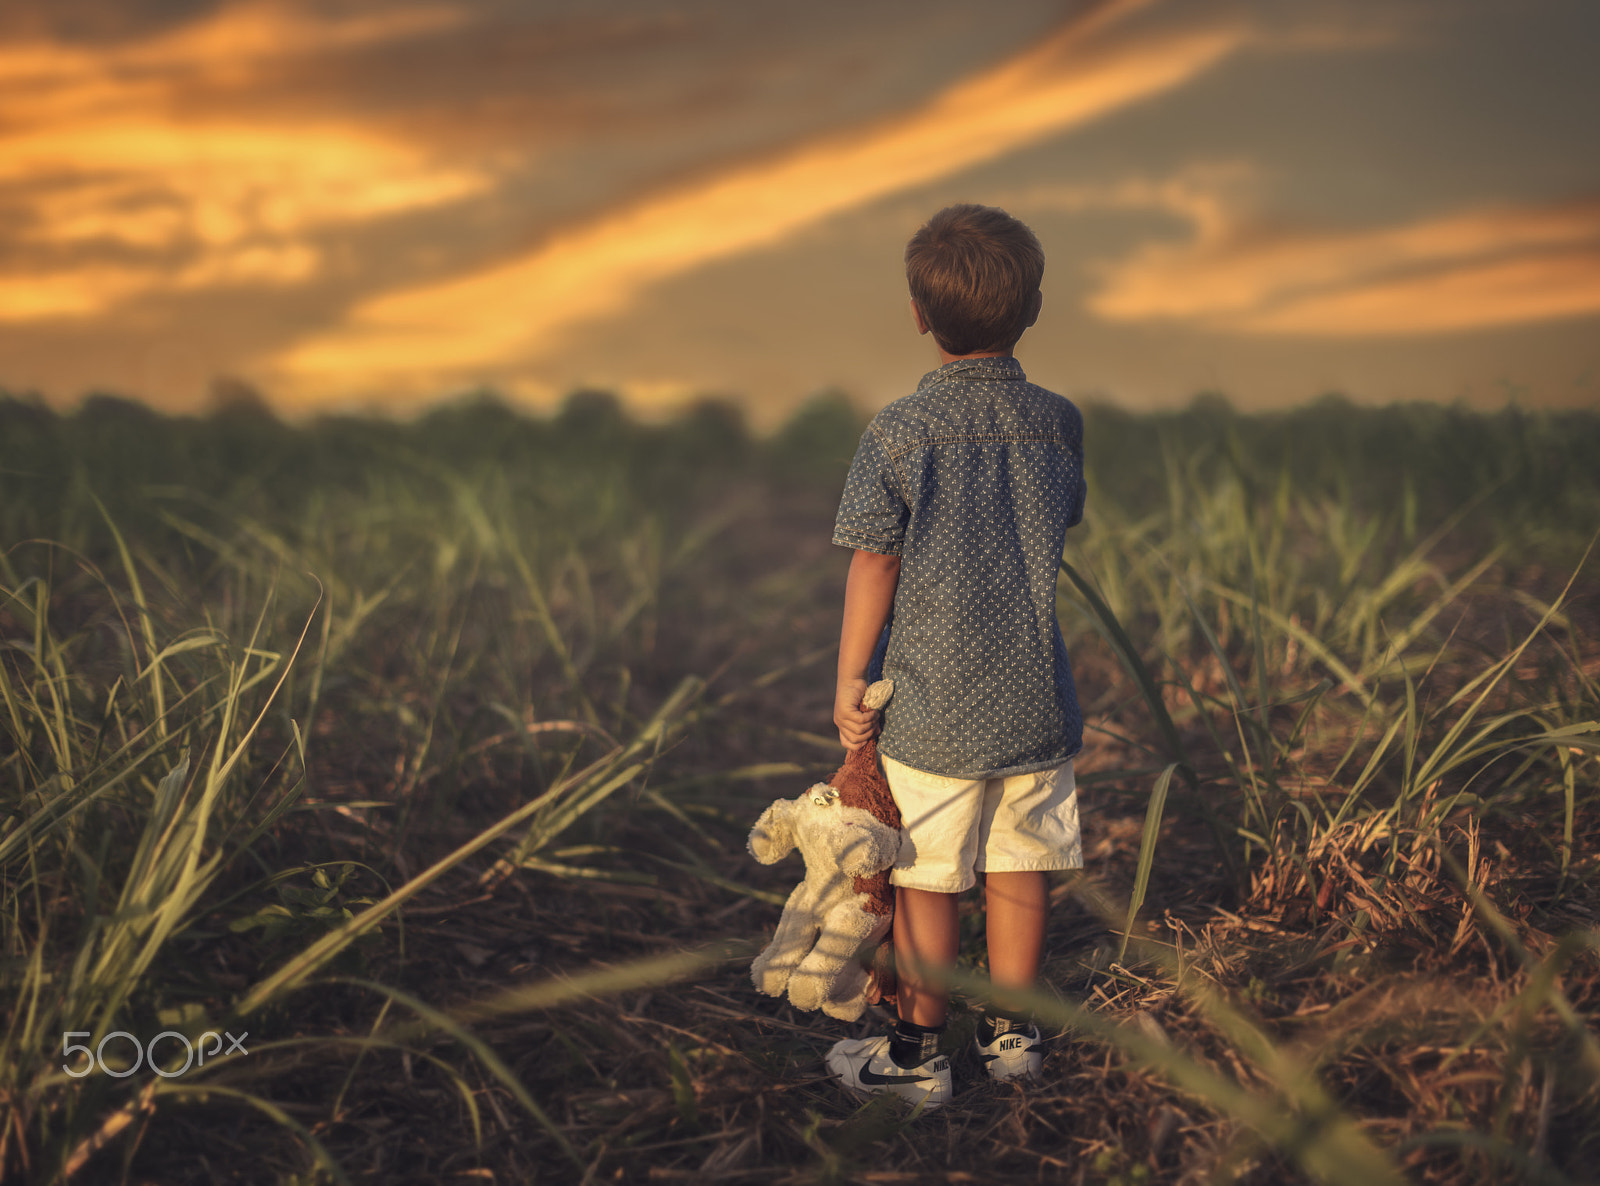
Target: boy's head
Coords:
[[974, 273]]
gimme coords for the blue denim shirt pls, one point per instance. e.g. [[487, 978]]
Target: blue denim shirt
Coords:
[[972, 480]]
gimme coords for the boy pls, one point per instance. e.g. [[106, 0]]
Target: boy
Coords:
[[957, 507]]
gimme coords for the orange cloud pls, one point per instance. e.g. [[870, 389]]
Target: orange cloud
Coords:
[[52, 81], [1476, 295], [1466, 270], [67, 292], [88, 289], [517, 311], [101, 158]]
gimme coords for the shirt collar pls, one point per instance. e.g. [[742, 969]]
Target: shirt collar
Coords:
[[998, 367]]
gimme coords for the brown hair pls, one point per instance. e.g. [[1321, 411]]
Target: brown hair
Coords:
[[974, 272]]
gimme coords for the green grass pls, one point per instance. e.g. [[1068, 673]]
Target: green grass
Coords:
[[425, 753]]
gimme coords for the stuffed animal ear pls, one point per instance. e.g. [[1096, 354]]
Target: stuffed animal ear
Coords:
[[875, 851], [772, 838]]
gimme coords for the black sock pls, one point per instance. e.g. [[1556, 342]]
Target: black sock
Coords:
[[911, 1044], [995, 1022]]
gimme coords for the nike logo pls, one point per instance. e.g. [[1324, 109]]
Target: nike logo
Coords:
[[992, 1057], [868, 1075]]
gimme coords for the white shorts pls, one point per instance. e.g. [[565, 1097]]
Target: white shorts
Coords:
[[952, 829]]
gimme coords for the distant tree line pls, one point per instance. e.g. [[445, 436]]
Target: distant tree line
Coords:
[[1528, 475]]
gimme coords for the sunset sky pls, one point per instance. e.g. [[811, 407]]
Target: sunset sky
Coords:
[[379, 205]]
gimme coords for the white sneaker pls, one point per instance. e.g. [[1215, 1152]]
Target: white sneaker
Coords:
[[1017, 1052], [864, 1065]]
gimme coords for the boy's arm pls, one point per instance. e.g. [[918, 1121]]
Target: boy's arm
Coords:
[[868, 598]]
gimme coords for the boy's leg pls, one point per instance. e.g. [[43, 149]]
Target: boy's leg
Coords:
[[937, 848], [1030, 825], [1016, 905], [1016, 902], [907, 1061], [927, 936], [939, 842]]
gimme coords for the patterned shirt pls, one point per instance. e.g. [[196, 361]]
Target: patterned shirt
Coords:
[[972, 480]]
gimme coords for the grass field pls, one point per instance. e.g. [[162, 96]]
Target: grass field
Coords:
[[414, 762]]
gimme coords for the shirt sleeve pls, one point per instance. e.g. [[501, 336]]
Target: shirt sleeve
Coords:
[[872, 514], [1079, 493]]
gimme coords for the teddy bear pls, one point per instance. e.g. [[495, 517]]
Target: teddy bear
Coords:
[[848, 832]]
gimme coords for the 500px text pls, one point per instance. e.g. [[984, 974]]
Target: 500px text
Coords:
[[97, 1055]]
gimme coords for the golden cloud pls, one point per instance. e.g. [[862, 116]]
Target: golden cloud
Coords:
[[1477, 295], [48, 80], [1465, 270], [67, 292], [98, 151], [82, 291], [514, 312]]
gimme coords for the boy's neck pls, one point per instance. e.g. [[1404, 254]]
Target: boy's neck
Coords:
[[946, 358]]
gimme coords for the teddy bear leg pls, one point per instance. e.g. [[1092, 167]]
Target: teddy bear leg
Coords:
[[772, 969], [814, 982], [857, 981], [848, 998]]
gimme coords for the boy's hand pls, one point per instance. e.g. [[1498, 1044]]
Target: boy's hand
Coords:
[[856, 725]]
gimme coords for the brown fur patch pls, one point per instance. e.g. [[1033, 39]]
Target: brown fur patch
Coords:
[[860, 783]]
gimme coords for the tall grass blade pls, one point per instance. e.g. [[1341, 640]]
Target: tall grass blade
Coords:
[[582, 986], [1134, 665], [1147, 854], [438, 1020], [600, 774], [1112, 630], [146, 621]]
